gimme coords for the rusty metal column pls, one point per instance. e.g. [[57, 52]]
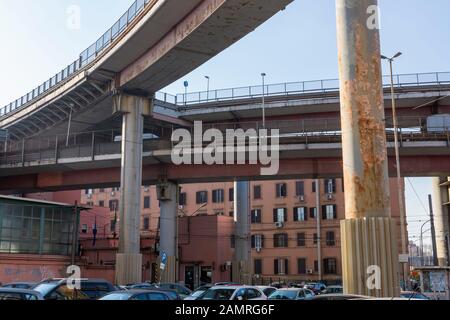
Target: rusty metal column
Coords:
[[368, 234], [129, 258], [441, 218]]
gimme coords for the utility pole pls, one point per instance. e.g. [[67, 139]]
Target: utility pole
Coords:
[[319, 230], [433, 232]]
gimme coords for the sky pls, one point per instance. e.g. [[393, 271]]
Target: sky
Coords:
[[297, 44]]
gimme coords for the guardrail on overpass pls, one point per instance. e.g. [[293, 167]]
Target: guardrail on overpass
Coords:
[[51, 149]]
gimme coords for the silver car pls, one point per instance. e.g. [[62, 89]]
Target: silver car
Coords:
[[19, 294]]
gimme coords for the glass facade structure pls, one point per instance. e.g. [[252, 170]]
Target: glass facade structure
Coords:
[[37, 229]]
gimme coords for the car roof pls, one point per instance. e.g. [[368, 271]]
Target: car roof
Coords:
[[17, 290], [19, 282], [290, 289], [137, 291], [58, 280]]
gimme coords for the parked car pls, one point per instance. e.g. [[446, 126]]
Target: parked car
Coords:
[[181, 290], [268, 290], [19, 294], [144, 285], [237, 293], [198, 292], [291, 294], [414, 295], [331, 297], [20, 285], [138, 294], [57, 289], [333, 290], [316, 287]]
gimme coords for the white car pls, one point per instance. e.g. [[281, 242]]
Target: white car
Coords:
[[267, 290], [236, 293]]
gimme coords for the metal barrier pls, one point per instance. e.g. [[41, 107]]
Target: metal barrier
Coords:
[[48, 150]]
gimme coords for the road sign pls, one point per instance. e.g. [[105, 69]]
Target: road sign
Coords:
[[3, 135], [163, 261]]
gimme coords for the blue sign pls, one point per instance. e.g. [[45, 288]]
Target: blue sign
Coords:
[[164, 258], [186, 84]]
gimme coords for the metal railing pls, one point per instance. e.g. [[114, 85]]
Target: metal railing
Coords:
[[297, 88], [48, 150], [84, 59]]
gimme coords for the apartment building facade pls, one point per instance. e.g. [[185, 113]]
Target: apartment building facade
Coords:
[[295, 224]]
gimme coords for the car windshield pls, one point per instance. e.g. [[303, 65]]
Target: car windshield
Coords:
[[118, 296], [218, 294], [197, 293], [284, 294], [45, 288]]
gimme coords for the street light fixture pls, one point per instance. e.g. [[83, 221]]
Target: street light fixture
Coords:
[[401, 205], [263, 75], [421, 242]]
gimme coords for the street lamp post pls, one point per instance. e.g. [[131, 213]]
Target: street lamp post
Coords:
[[263, 75], [207, 87], [401, 205]]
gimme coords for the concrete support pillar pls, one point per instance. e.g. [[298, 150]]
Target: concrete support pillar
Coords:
[[441, 218], [168, 197], [129, 259], [242, 262], [368, 236]]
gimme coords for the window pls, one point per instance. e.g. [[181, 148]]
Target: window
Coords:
[[257, 266], [301, 239], [256, 192], [146, 223], [218, 196], [146, 202], [257, 241], [256, 216], [329, 212], [281, 190], [101, 203], [112, 226], [300, 214], [330, 239], [330, 185], [281, 266], [113, 205], [316, 266], [301, 266], [88, 192], [231, 213], [231, 194], [233, 241], [315, 239], [313, 187], [280, 240], [202, 197], [330, 266], [300, 188], [102, 190], [313, 213], [280, 215], [183, 199], [84, 228]]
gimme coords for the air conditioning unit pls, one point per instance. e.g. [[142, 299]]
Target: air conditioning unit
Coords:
[[279, 224], [310, 271], [258, 249], [113, 194], [330, 196], [301, 198]]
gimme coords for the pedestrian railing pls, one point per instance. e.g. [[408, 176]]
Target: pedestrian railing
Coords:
[[89, 145]]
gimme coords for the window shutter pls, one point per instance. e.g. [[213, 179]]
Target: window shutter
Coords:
[[275, 266], [324, 212], [253, 242], [275, 215], [262, 241], [285, 215], [295, 214], [305, 213], [335, 211], [334, 185]]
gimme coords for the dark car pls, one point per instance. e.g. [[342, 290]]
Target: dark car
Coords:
[[333, 290], [144, 285], [57, 289], [140, 295], [20, 285], [332, 297], [19, 294]]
